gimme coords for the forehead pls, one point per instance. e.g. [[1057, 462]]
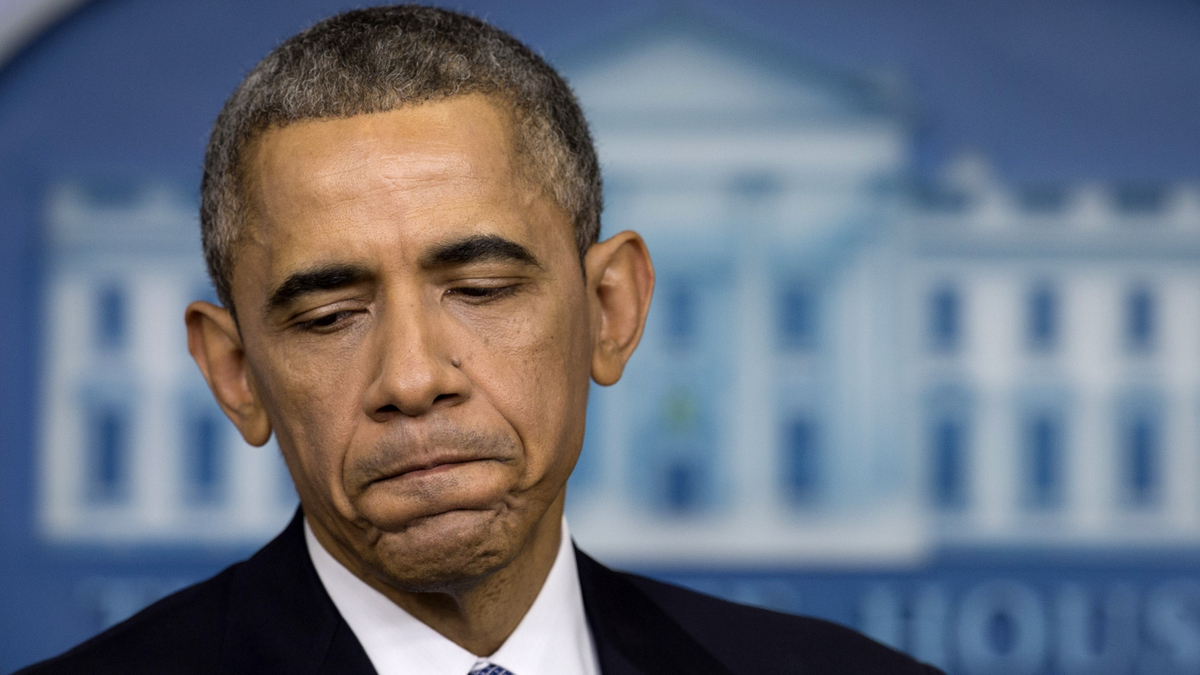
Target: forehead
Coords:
[[335, 185], [462, 138]]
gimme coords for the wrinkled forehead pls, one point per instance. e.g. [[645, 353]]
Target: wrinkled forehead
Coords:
[[459, 147], [463, 136], [447, 168]]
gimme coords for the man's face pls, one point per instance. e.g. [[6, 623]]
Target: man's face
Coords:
[[415, 324]]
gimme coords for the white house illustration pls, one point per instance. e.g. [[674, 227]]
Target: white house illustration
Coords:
[[1053, 361], [755, 423], [134, 450], [840, 366]]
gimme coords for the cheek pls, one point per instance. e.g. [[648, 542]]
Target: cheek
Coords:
[[302, 387], [535, 371]]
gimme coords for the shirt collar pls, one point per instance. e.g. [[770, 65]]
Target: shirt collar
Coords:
[[552, 638]]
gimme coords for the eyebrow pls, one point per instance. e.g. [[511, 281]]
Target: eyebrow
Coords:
[[482, 248], [325, 278]]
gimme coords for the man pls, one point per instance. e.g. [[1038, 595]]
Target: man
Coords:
[[401, 210]]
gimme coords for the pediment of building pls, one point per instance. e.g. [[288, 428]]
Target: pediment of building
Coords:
[[677, 69]]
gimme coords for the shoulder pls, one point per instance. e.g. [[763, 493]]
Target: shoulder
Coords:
[[753, 640], [180, 634], [266, 614]]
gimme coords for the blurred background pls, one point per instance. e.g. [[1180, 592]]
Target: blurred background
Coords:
[[924, 357]]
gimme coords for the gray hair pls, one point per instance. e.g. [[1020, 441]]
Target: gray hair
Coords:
[[375, 60]]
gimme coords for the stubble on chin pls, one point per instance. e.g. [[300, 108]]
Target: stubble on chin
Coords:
[[452, 560], [447, 551]]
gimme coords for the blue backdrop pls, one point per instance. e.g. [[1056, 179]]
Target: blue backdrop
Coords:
[[1051, 93]]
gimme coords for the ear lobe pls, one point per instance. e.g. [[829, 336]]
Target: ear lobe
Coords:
[[216, 346], [620, 285]]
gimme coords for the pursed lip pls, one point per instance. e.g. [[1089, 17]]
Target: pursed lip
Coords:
[[428, 465]]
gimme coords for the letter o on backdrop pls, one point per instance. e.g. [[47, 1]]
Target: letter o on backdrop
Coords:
[[1014, 606]]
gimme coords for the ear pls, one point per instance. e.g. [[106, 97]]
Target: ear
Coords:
[[620, 282], [216, 345]]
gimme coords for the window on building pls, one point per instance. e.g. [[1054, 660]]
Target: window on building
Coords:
[[680, 308], [1142, 455], [108, 436], [111, 317], [1042, 199], [1140, 319], [682, 487], [802, 461], [945, 319], [798, 318], [1043, 317], [1044, 452], [948, 445], [204, 441], [1140, 199], [948, 440]]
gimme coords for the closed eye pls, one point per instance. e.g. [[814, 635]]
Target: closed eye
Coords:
[[325, 321], [483, 293]]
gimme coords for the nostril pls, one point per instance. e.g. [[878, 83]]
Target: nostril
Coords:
[[388, 409]]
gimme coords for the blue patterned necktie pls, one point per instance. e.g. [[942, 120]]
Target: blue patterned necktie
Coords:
[[490, 669]]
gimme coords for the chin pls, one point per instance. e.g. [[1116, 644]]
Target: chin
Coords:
[[448, 550]]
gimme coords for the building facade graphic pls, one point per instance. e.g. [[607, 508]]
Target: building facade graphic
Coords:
[[133, 448], [838, 366], [1054, 341]]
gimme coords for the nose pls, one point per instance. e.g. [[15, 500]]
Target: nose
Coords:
[[416, 368]]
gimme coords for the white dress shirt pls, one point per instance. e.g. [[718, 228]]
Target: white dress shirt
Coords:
[[552, 639]]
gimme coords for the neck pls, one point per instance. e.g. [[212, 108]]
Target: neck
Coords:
[[478, 617]]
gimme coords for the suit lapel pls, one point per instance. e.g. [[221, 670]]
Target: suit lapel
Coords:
[[280, 618], [634, 636], [345, 655]]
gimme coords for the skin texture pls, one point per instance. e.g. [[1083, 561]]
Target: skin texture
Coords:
[[426, 381]]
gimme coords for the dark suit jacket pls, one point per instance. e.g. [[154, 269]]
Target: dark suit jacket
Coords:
[[270, 614]]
